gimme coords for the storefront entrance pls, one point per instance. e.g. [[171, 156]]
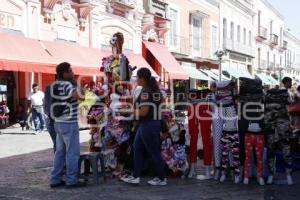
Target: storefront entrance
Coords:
[[7, 82]]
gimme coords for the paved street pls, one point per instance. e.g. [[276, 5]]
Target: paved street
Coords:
[[26, 161]]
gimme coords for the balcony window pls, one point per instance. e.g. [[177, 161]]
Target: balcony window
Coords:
[[232, 31], [245, 36], [263, 33], [173, 27], [250, 38], [157, 7], [274, 40], [239, 33], [197, 24], [214, 38], [224, 29]]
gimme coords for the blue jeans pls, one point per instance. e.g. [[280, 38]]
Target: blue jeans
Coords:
[[67, 152], [38, 118], [51, 130], [147, 140]]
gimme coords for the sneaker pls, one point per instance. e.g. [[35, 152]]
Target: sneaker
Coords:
[[270, 180], [76, 185], [246, 181], [132, 180], [62, 183], [261, 181], [223, 178], [158, 182], [289, 180], [35, 133]]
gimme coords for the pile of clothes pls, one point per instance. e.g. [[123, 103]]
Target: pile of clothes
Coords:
[[173, 147]]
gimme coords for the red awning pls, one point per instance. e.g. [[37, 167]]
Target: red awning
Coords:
[[22, 54], [167, 60], [84, 60], [139, 62], [88, 60]]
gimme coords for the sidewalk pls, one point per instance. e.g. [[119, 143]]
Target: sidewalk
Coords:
[[14, 141], [25, 175]]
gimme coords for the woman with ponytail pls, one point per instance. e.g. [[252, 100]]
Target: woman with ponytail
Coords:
[[147, 139]]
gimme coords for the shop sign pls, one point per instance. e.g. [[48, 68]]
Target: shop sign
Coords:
[[10, 21]]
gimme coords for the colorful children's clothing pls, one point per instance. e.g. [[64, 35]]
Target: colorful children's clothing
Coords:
[[256, 142]]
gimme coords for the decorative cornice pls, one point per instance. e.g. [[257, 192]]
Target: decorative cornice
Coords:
[[241, 6], [291, 36], [271, 7]]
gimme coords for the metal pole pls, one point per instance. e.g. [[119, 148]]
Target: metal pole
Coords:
[[220, 69]]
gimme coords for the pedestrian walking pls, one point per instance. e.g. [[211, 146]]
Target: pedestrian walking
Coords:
[[37, 101], [65, 114], [147, 139]]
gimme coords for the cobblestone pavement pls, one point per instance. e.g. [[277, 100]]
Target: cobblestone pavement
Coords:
[[26, 176]]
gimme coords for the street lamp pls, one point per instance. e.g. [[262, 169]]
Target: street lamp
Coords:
[[220, 53]]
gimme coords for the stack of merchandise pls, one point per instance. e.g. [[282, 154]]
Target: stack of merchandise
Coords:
[[173, 147]]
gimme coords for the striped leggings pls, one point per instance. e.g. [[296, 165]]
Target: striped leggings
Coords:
[[222, 115]]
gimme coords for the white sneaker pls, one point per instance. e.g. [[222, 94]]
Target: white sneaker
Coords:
[[261, 181], [289, 180], [237, 179], [223, 178], [270, 180], [132, 180], [158, 182], [246, 181]]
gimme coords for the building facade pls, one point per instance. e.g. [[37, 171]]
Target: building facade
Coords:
[[67, 27], [237, 30], [292, 56], [270, 44], [193, 35]]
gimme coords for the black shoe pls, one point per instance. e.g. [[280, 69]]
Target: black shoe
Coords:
[[62, 183], [76, 185]]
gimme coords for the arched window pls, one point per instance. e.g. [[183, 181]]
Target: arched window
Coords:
[[225, 28], [232, 30], [250, 38], [245, 36], [239, 33]]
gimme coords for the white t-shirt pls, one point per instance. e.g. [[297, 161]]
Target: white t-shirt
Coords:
[[37, 99]]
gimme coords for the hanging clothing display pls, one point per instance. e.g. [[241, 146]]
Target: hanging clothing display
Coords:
[[226, 137], [224, 103], [251, 126], [200, 121], [277, 128]]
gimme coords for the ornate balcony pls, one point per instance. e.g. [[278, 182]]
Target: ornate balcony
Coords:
[[273, 40], [283, 46], [156, 7], [262, 34], [121, 7]]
